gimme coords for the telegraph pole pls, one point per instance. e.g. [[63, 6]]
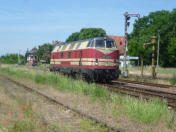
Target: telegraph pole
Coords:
[[127, 23]]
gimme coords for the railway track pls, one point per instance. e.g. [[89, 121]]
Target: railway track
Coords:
[[145, 83], [143, 90], [110, 128]]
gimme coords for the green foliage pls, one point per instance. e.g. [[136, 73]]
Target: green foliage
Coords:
[[146, 27], [23, 126], [44, 52], [11, 59], [73, 37], [142, 110], [88, 126], [86, 33], [171, 119], [172, 51]]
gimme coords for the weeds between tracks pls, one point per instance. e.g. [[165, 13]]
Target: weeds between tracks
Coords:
[[136, 109]]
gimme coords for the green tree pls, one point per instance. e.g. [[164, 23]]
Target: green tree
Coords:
[[146, 27], [172, 51], [11, 59], [44, 51], [73, 37], [86, 33]]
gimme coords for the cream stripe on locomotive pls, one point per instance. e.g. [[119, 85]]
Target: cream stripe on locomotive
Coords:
[[101, 62], [54, 62], [74, 63], [85, 59], [90, 63], [94, 64]]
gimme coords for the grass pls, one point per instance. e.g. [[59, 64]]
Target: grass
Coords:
[[43, 65], [15, 119], [173, 79], [137, 109], [87, 126], [158, 70], [23, 125], [142, 110]]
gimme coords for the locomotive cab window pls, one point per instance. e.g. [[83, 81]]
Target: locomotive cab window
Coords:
[[100, 43], [110, 44]]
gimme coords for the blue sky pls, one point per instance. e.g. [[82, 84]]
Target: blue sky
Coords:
[[28, 23]]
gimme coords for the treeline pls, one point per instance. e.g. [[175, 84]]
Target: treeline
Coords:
[[11, 59], [161, 23]]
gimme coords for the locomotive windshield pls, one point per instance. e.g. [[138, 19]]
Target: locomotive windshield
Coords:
[[100, 43], [110, 44]]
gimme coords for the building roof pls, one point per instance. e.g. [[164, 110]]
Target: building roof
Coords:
[[120, 43]]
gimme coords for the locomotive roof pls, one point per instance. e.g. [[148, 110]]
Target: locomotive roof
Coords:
[[77, 43], [96, 38]]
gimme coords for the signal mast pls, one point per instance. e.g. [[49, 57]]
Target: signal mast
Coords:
[[127, 23]]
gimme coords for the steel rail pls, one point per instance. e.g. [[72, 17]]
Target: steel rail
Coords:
[[145, 83], [147, 89], [137, 92]]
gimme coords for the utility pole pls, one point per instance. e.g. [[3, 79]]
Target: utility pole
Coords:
[[127, 18], [158, 48]]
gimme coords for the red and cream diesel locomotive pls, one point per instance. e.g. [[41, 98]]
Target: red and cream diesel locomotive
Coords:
[[94, 59]]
